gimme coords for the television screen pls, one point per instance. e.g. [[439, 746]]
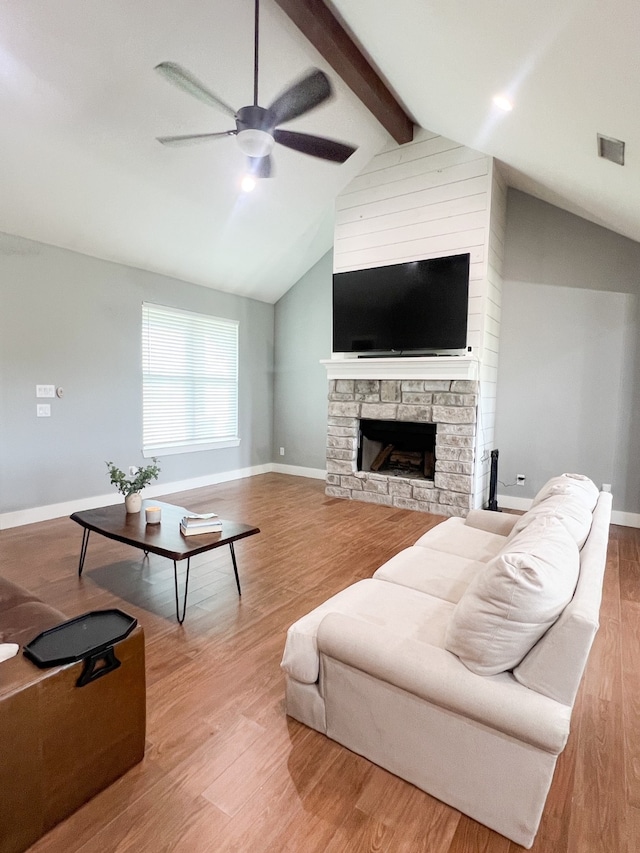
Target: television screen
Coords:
[[415, 306]]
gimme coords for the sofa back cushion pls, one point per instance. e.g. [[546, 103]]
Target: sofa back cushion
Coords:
[[555, 665], [515, 599], [568, 509], [578, 486]]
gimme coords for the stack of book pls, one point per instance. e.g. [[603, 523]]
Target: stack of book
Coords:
[[195, 523]]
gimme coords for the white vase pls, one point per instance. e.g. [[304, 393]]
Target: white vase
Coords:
[[133, 502]]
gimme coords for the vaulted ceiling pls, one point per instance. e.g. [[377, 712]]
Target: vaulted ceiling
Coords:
[[82, 106]]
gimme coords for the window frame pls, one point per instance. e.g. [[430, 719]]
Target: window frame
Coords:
[[185, 383]]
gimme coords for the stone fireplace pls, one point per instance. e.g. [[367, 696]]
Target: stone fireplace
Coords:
[[407, 443], [432, 198]]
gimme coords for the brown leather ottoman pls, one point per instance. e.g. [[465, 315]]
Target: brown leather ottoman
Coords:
[[60, 744]]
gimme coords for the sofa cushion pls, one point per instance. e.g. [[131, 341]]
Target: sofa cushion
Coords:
[[568, 509], [491, 521], [437, 573], [406, 612], [514, 600], [555, 665], [577, 485], [453, 536]]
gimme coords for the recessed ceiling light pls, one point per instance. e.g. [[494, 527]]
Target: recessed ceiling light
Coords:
[[503, 103], [248, 183]]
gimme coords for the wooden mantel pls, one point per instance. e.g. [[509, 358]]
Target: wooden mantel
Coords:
[[422, 367]]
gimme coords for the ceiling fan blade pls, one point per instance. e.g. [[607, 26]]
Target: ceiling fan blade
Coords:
[[307, 93], [316, 146], [194, 137], [260, 167], [182, 78]]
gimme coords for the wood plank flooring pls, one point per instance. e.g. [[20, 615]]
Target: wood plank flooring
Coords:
[[226, 770]]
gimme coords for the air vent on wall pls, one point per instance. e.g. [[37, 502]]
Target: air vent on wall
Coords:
[[611, 149]]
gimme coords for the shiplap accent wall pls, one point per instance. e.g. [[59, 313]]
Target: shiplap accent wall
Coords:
[[429, 198]]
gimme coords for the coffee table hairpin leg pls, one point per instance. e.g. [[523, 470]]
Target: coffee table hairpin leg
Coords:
[[235, 567], [186, 589], [83, 549], [179, 617]]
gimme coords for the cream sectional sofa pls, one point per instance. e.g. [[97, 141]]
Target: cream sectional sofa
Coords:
[[456, 666]]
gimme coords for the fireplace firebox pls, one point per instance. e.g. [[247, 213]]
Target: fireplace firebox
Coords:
[[397, 448]]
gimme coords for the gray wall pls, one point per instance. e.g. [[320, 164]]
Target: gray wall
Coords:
[[569, 373], [570, 332], [75, 321], [303, 337]]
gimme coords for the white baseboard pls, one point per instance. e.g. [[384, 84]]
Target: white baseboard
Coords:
[[508, 502], [625, 519], [59, 510], [207, 480], [298, 471]]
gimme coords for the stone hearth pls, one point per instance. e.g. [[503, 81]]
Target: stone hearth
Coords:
[[450, 404]]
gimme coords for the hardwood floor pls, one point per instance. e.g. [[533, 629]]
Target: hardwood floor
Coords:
[[226, 770]]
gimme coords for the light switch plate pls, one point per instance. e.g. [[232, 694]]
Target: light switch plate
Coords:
[[45, 390]]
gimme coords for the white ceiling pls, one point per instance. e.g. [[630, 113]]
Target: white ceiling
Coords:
[[571, 67], [81, 106]]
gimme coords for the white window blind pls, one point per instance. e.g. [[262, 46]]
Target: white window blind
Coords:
[[190, 380]]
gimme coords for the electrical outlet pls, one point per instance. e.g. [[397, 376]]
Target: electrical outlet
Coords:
[[282, 451], [43, 410], [606, 487], [520, 478]]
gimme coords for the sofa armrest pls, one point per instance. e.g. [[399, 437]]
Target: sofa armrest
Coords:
[[439, 677], [493, 522]]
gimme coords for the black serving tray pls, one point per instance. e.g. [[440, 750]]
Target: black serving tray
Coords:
[[80, 638]]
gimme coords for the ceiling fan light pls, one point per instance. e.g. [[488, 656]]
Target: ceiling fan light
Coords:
[[255, 143], [503, 103]]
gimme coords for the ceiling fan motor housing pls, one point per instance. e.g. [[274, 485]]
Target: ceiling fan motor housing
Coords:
[[255, 130]]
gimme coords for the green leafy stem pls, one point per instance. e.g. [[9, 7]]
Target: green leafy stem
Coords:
[[136, 481]]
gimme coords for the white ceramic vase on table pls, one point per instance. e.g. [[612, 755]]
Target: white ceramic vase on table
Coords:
[[133, 502]]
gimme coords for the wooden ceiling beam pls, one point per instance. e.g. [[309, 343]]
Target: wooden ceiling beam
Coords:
[[320, 26]]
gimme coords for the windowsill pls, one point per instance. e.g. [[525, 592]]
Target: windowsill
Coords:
[[172, 450]]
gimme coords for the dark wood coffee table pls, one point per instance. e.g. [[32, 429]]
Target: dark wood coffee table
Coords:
[[164, 539]]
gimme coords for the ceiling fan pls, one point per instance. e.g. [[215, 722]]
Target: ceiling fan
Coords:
[[257, 129]]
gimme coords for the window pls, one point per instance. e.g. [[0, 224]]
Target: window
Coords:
[[190, 381]]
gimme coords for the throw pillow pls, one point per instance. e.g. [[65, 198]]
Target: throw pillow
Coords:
[[570, 511], [577, 485], [515, 599]]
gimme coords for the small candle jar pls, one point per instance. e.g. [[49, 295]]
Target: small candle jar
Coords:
[[152, 514]]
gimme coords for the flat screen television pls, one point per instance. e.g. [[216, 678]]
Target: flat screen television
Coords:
[[419, 306]]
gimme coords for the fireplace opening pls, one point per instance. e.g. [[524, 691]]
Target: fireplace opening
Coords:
[[397, 448]]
